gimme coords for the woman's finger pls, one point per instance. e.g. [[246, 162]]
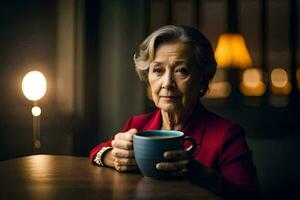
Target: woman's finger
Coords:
[[181, 166], [125, 168], [125, 161], [126, 135], [167, 166], [122, 144], [121, 153], [176, 155], [129, 134]]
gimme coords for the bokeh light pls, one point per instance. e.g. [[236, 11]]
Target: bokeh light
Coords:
[[279, 77], [36, 111], [280, 84], [252, 84], [34, 85], [218, 90]]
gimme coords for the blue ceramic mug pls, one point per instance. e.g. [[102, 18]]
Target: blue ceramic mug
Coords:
[[149, 147]]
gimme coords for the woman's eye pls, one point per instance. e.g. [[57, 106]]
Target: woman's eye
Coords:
[[157, 70], [182, 71]]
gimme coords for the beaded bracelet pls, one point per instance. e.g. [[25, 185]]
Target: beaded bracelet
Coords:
[[98, 158]]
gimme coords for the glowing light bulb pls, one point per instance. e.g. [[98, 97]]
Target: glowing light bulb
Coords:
[[252, 77], [34, 85], [252, 84], [279, 77], [280, 82], [36, 111]]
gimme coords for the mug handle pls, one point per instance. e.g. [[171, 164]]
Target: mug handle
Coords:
[[191, 149]]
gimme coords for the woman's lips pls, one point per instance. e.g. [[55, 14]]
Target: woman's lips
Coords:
[[169, 98]]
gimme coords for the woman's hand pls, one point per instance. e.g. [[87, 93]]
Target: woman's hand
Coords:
[[122, 152], [179, 161], [182, 164]]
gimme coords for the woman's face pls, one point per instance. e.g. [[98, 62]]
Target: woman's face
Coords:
[[173, 78]]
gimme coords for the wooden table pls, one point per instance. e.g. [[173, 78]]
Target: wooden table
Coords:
[[66, 177]]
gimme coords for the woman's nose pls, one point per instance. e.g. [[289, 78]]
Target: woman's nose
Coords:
[[168, 81]]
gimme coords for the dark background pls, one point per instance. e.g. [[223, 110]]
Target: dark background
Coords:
[[85, 50]]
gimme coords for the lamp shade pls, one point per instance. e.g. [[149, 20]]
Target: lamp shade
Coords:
[[232, 52]]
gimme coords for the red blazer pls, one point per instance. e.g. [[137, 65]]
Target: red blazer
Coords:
[[221, 144]]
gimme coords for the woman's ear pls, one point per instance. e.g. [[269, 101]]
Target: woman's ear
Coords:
[[149, 92], [203, 89]]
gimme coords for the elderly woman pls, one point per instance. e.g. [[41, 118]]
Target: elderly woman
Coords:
[[177, 62]]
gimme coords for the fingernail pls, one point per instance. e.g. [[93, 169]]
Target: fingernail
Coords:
[[166, 155], [157, 166]]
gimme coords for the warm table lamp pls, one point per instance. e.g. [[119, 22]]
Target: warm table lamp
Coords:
[[231, 51], [232, 55], [34, 87]]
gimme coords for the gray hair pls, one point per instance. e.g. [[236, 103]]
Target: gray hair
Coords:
[[202, 51]]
